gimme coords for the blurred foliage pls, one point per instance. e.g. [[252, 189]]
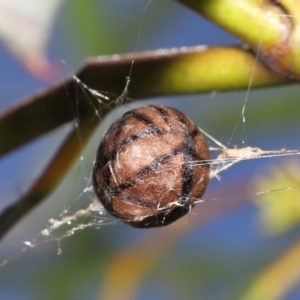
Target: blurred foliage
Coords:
[[280, 210], [25, 30]]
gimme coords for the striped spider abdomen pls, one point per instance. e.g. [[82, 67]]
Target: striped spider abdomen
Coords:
[[151, 166]]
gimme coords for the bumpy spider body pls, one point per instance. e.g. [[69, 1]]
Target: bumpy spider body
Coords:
[[144, 173]]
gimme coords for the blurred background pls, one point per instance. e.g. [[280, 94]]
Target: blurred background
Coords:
[[237, 244]]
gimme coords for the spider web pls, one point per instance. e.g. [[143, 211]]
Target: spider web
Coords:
[[80, 210]]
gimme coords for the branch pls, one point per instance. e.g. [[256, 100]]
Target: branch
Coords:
[[271, 28], [155, 73], [51, 176]]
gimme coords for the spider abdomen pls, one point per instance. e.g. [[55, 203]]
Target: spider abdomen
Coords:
[[145, 171]]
